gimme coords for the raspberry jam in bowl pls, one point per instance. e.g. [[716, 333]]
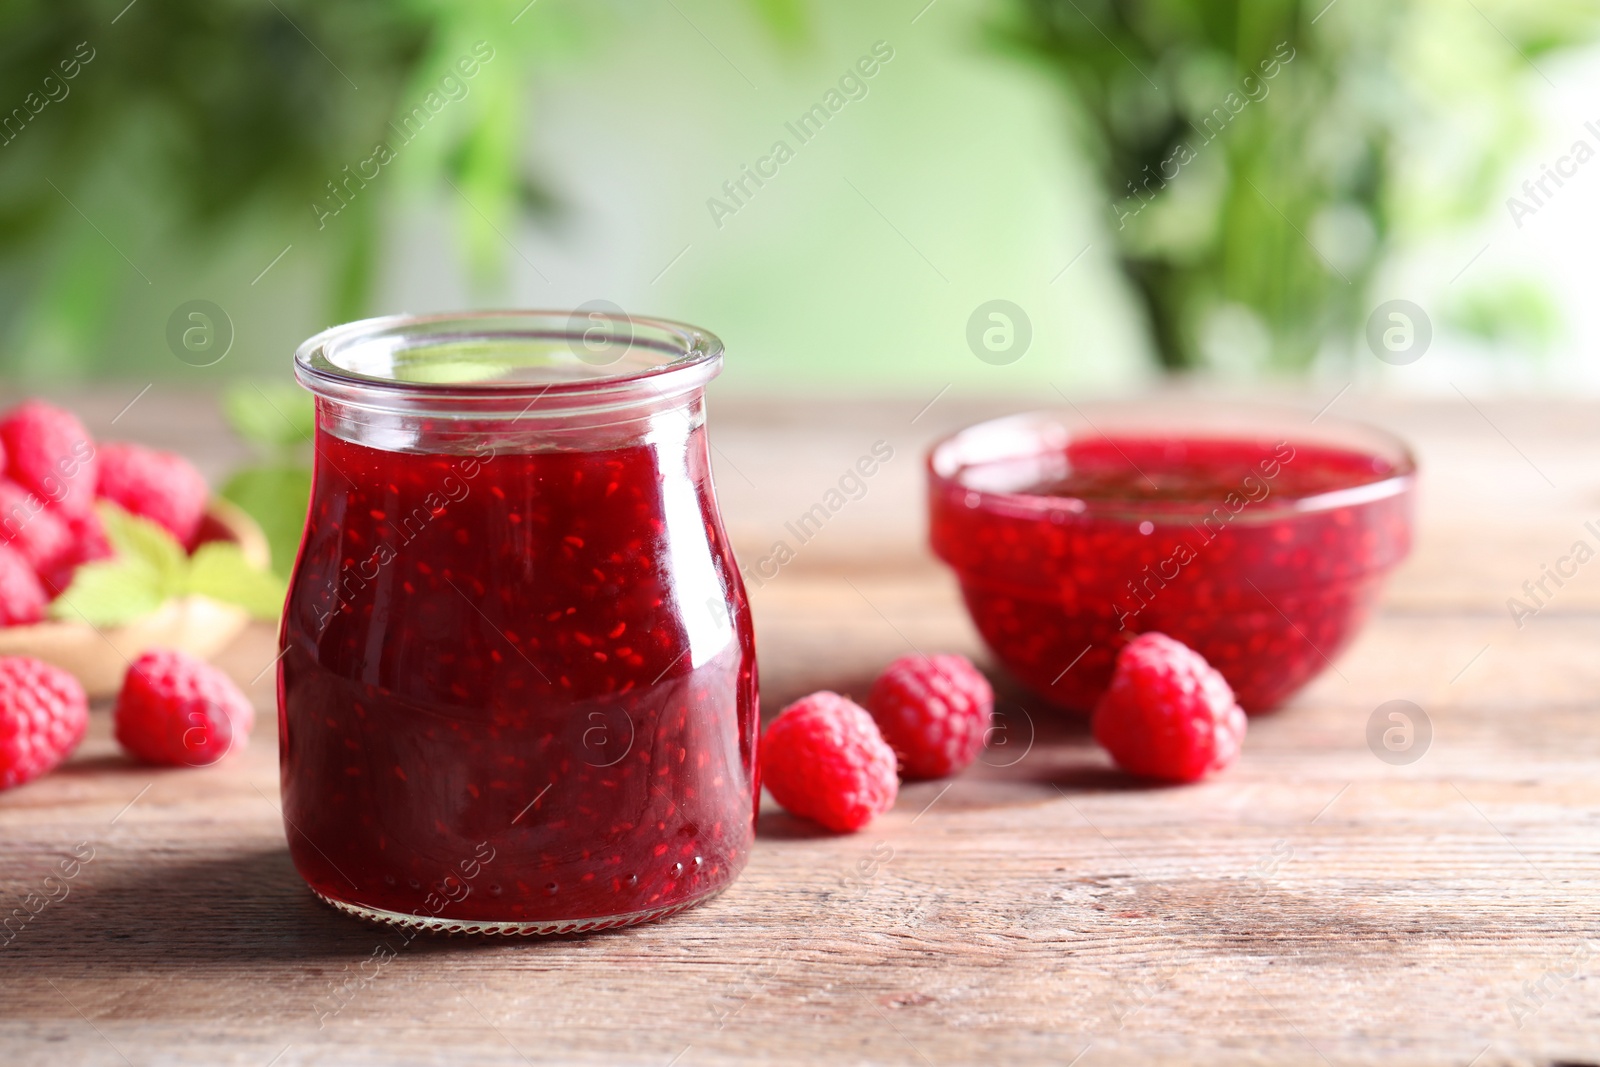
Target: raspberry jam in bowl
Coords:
[[1258, 538], [517, 691]]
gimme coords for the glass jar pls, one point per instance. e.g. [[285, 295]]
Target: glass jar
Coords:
[[518, 686]]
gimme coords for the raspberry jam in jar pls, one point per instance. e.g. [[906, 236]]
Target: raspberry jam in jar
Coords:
[[518, 687], [1259, 540]]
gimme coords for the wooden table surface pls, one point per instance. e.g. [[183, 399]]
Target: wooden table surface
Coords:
[[1314, 905]]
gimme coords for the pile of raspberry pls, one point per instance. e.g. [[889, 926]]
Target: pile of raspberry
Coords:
[[173, 708], [1167, 715], [51, 474]]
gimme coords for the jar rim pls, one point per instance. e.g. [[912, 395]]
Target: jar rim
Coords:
[[589, 356]]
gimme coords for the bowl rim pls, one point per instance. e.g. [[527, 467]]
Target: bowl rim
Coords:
[[944, 465]]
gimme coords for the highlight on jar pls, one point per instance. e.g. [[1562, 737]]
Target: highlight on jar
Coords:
[[518, 683]]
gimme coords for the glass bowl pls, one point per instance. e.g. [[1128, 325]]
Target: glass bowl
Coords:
[[1258, 536]]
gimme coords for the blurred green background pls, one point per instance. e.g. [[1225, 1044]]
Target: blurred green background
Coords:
[[1218, 186]]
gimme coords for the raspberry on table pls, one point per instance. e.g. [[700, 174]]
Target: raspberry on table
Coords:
[[934, 711], [823, 758], [22, 598], [160, 486], [43, 715], [178, 710], [1168, 713], [48, 452], [35, 530]]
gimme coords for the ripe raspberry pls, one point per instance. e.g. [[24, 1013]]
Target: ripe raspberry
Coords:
[[1168, 713], [48, 452], [22, 598], [179, 710], [934, 711], [161, 486], [823, 758], [43, 716], [34, 530]]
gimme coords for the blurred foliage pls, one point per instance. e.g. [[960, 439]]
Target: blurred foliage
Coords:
[[276, 495], [276, 416], [165, 133], [1263, 155], [1516, 315], [1249, 209], [185, 121], [278, 420]]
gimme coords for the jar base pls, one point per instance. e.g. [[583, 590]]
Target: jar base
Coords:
[[513, 927]]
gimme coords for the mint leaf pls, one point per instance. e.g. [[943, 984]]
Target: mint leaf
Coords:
[[150, 568], [276, 415], [110, 593], [136, 539], [219, 571]]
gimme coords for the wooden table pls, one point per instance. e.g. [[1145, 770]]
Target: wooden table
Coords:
[[1315, 904]]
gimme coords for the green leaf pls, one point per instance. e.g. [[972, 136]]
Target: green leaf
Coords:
[[138, 540], [277, 415], [219, 571], [1514, 315], [276, 496], [150, 568], [110, 593]]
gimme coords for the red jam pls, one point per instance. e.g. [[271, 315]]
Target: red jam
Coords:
[[518, 687], [1263, 555]]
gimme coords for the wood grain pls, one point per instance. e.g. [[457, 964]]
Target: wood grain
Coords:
[[1315, 905]]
